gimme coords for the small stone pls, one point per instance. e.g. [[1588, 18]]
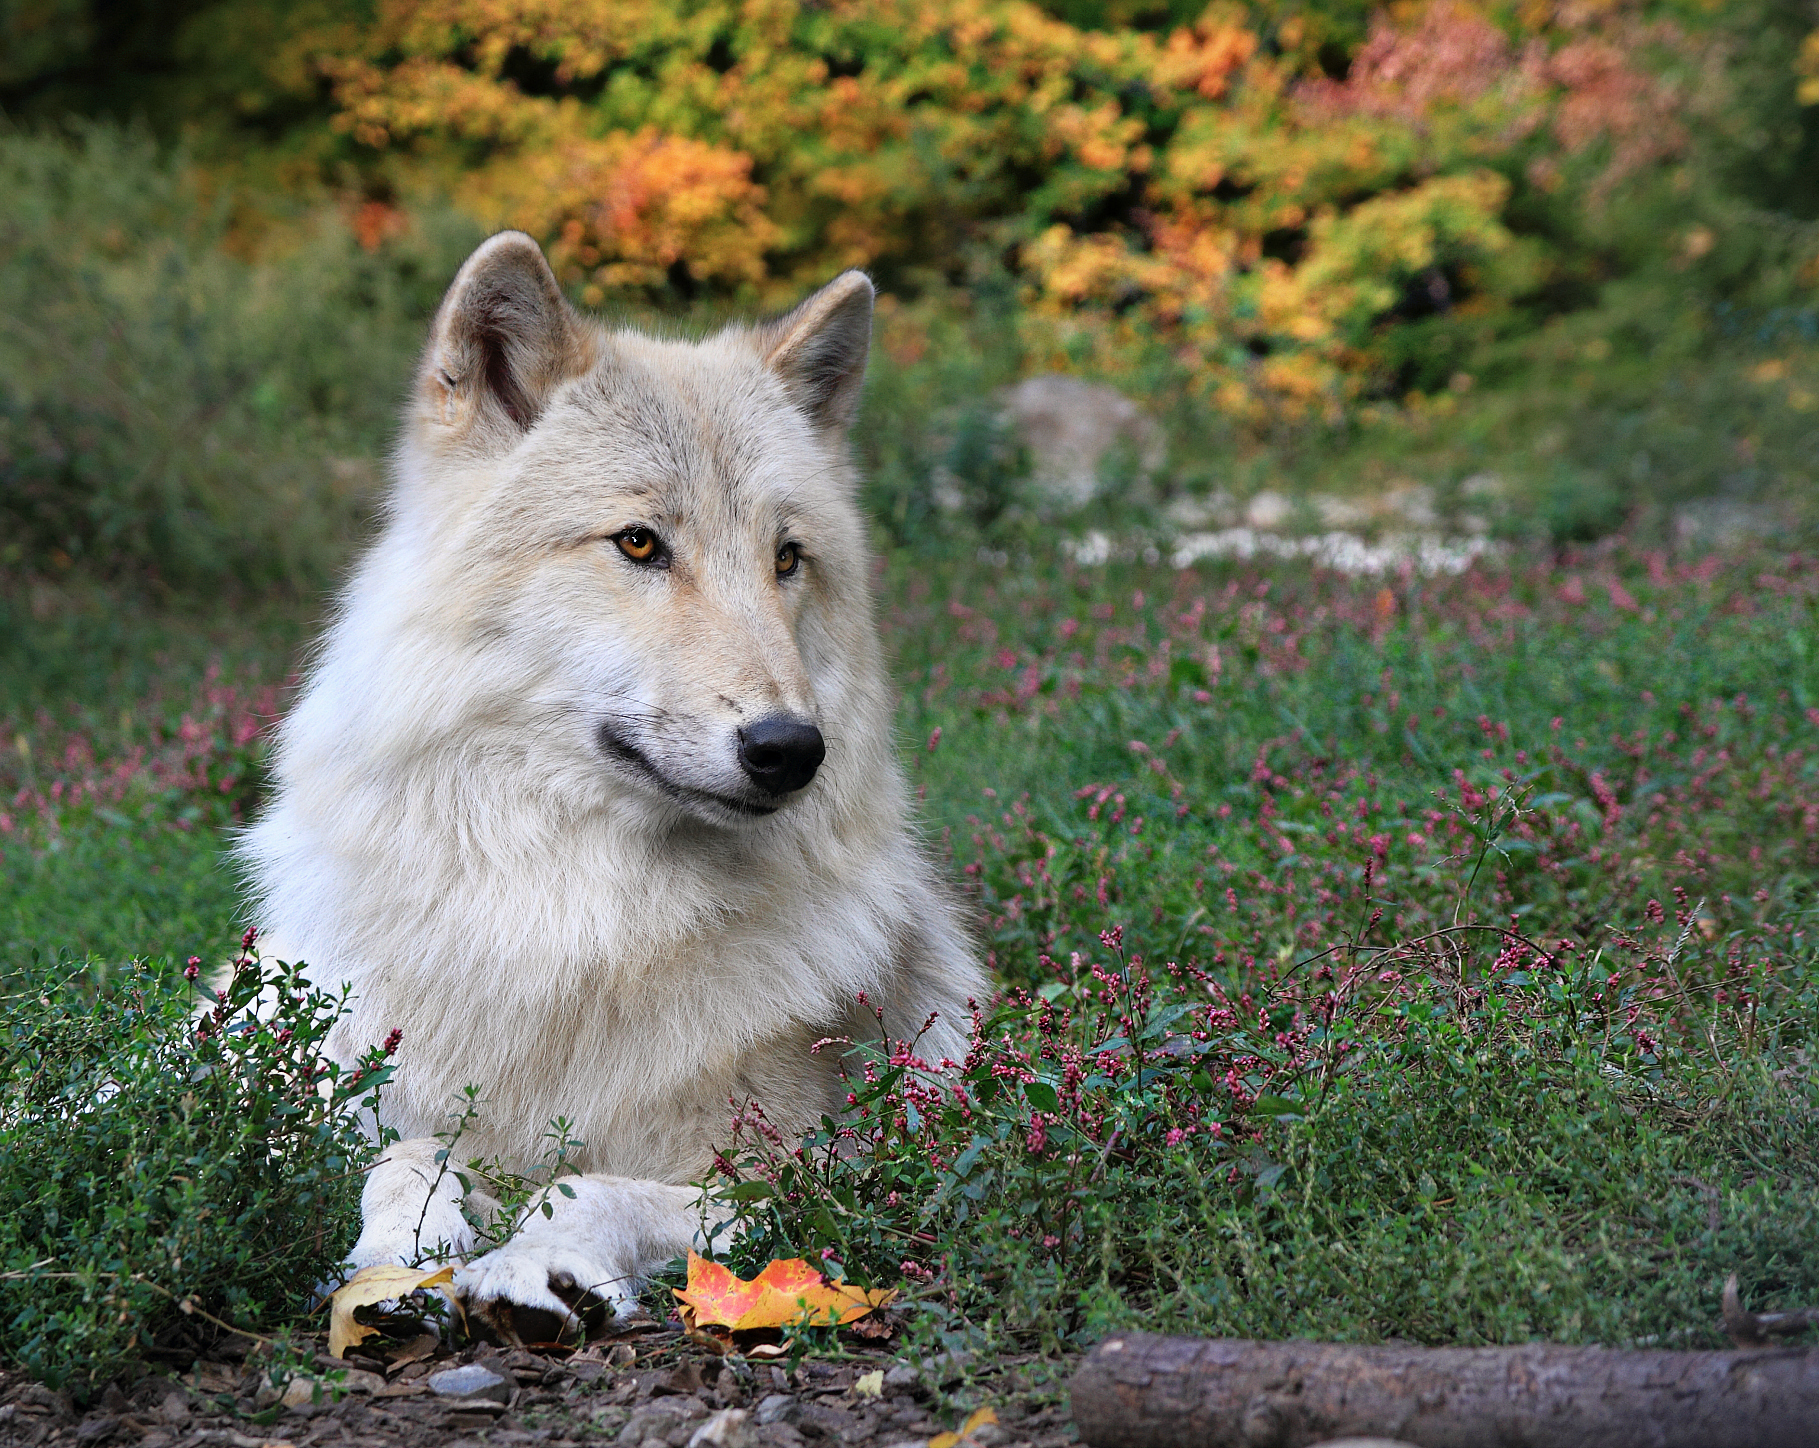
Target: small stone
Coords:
[[175, 1409], [945, 1367], [902, 1379], [661, 1417], [725, 1429], [773, 1408], [473, 1381], [1363, 1443], [300, 1392], [681, 1382], [1268, 510]]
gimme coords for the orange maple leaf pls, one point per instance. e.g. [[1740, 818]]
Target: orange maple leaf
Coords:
[[788, 1293]]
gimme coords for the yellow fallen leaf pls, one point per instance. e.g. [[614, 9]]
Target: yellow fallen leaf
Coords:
[[787, 1293], [977, 1419], [870, 1385], [370, 1285]]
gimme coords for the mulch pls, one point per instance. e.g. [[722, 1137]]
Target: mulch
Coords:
[[651, 1388]]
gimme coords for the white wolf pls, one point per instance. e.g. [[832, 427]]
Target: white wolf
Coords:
[[591, 792]]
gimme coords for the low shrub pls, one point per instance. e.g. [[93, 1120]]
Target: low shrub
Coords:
[[1469, 1137], [164, 1176]]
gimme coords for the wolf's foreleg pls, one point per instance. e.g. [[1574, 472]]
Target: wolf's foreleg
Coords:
[[410, 1209], [583, 1239]]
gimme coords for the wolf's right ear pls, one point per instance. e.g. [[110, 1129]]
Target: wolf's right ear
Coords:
[[503, 340]]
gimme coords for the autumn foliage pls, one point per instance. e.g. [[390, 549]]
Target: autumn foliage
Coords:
[[1255, 190]]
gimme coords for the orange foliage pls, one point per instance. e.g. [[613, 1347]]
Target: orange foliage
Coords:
[[1193, 188]]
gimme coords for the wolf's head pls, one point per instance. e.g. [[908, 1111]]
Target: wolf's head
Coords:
[[634, 562]]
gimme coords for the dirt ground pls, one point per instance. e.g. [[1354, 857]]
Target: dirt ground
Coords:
[[649, 1388]]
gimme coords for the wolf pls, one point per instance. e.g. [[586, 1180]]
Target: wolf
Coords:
[[591, 790]]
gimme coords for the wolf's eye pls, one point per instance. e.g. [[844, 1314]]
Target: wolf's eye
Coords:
[[638, 544], [789, 559]]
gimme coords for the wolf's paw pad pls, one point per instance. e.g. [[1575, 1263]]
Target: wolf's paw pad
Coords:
[[525, 1296]]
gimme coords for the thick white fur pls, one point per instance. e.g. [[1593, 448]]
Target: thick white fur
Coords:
[[578, 935]]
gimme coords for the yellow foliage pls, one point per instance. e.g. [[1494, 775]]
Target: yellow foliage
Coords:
[[1807, 68], [1189, 188]]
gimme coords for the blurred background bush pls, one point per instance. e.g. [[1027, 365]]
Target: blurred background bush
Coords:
[[1566, 253]]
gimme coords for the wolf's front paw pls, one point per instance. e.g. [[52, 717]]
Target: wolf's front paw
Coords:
[[541, 1292]]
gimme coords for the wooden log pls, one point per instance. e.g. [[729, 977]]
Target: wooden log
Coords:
[[1135, 1390]]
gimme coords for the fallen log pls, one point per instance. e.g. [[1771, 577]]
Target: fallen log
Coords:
[[1135, 1390]]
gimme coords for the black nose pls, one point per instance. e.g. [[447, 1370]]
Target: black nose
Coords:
[[781, 754]]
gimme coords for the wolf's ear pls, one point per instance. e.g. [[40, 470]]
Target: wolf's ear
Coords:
[[501, 342], [819, 349]]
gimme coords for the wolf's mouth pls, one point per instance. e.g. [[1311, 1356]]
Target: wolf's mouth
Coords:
[[622, 749]]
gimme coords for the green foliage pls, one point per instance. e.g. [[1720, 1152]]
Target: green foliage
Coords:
[[171, 412], [1423, 1161], [164, 1176], [1178, 798]]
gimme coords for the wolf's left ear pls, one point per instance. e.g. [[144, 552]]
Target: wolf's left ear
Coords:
[[503, 339], [819, 349]]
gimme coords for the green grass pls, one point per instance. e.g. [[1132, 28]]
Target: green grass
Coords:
[[139, 872], [1609, 760]]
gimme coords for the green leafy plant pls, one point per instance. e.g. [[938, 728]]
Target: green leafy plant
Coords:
[[168, 1174]]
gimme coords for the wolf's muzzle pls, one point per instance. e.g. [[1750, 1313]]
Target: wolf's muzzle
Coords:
[[781, 754]]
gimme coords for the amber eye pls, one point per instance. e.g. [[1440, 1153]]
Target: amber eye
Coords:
[[789, 558], [638, 544]]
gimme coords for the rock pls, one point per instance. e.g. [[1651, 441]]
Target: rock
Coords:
[[1723, 522], [773, 1408], [824, 1419], [725, 1429], [681, 1382], [902, 1379], [473, 1381], [662, 1419], [1071, 427], [1362, 1443], [174, 1409], [1215, 510], [300, 1392], [1339, 512], [1268, 510], [1413, 503]]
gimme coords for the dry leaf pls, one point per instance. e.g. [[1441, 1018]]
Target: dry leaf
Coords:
[[415, 1351], [870, 1385], [788, 1293], [370, 1285], [976, 1420], [771, 1349]]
